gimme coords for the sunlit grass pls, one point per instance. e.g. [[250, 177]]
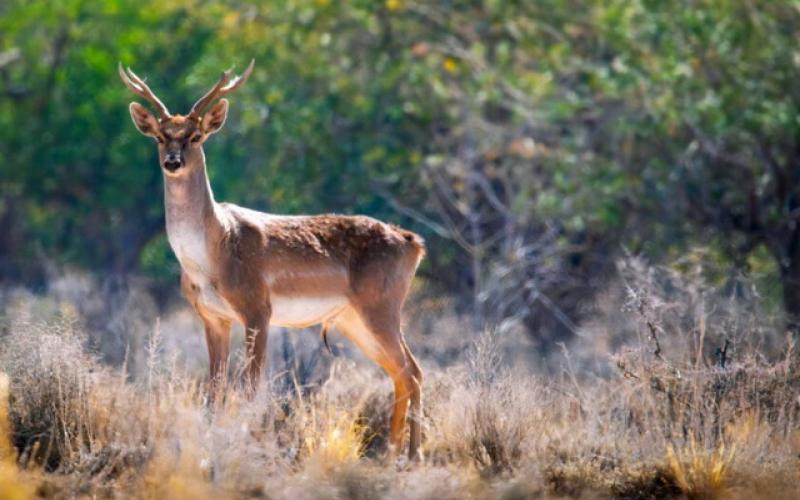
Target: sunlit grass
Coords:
[[700, 473], [12, 485], [337, 440]]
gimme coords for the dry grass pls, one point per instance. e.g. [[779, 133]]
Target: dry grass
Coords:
[[664, 418]]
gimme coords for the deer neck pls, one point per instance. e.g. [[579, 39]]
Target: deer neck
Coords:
[[192, 217]]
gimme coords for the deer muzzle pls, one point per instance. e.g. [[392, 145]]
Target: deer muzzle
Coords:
[[173, 161]]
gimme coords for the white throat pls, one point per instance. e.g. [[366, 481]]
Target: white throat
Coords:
[[189, 244], [189, 204]]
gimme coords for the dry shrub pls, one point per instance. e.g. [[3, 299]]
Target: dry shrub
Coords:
[[497, 426], [707, 383], [746, 450], [668, 415], [483, 415], [68, 412]]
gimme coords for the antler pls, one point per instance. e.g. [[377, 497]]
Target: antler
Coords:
[[223, 87], [137, 86]]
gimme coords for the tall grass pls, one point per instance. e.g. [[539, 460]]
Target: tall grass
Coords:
[[667, 415]]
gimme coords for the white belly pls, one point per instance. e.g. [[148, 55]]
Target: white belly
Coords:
[[299, 312]]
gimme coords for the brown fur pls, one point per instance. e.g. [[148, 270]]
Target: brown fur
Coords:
[[237, 262]]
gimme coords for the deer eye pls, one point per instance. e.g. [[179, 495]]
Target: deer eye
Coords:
[[160, 139], [196, 138]]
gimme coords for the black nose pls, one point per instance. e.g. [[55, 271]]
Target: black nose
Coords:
[[172, 162]]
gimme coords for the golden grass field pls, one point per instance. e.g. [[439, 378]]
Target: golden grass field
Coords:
[[613, 419]]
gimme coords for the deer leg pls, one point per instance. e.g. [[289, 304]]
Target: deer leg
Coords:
[[218, 343], [385, 347], [402, 394], [416, 405], [256, 331]]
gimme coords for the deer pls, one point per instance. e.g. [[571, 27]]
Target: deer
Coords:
[[349, 272]]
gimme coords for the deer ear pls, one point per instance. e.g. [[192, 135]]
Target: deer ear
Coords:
[[215, 118], [143, 119]]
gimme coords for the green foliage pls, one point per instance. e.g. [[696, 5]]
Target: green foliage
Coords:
[[322, 118], [646, 123]]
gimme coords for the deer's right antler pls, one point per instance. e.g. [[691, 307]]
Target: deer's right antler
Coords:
[[137, 86], [223, 87]]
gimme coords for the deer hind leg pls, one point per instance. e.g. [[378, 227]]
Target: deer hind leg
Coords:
[[382, 341], [416, 405]]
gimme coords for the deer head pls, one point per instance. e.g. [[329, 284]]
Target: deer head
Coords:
[[180, 138]]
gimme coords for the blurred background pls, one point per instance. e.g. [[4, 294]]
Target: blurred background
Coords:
[[536, 145]]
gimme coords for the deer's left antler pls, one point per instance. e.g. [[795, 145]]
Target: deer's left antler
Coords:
[[223, 87]]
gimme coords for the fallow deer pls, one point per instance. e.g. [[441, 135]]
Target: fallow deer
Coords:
[[260, 269]]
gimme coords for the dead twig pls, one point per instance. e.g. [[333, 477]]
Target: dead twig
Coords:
[[722, 353]]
